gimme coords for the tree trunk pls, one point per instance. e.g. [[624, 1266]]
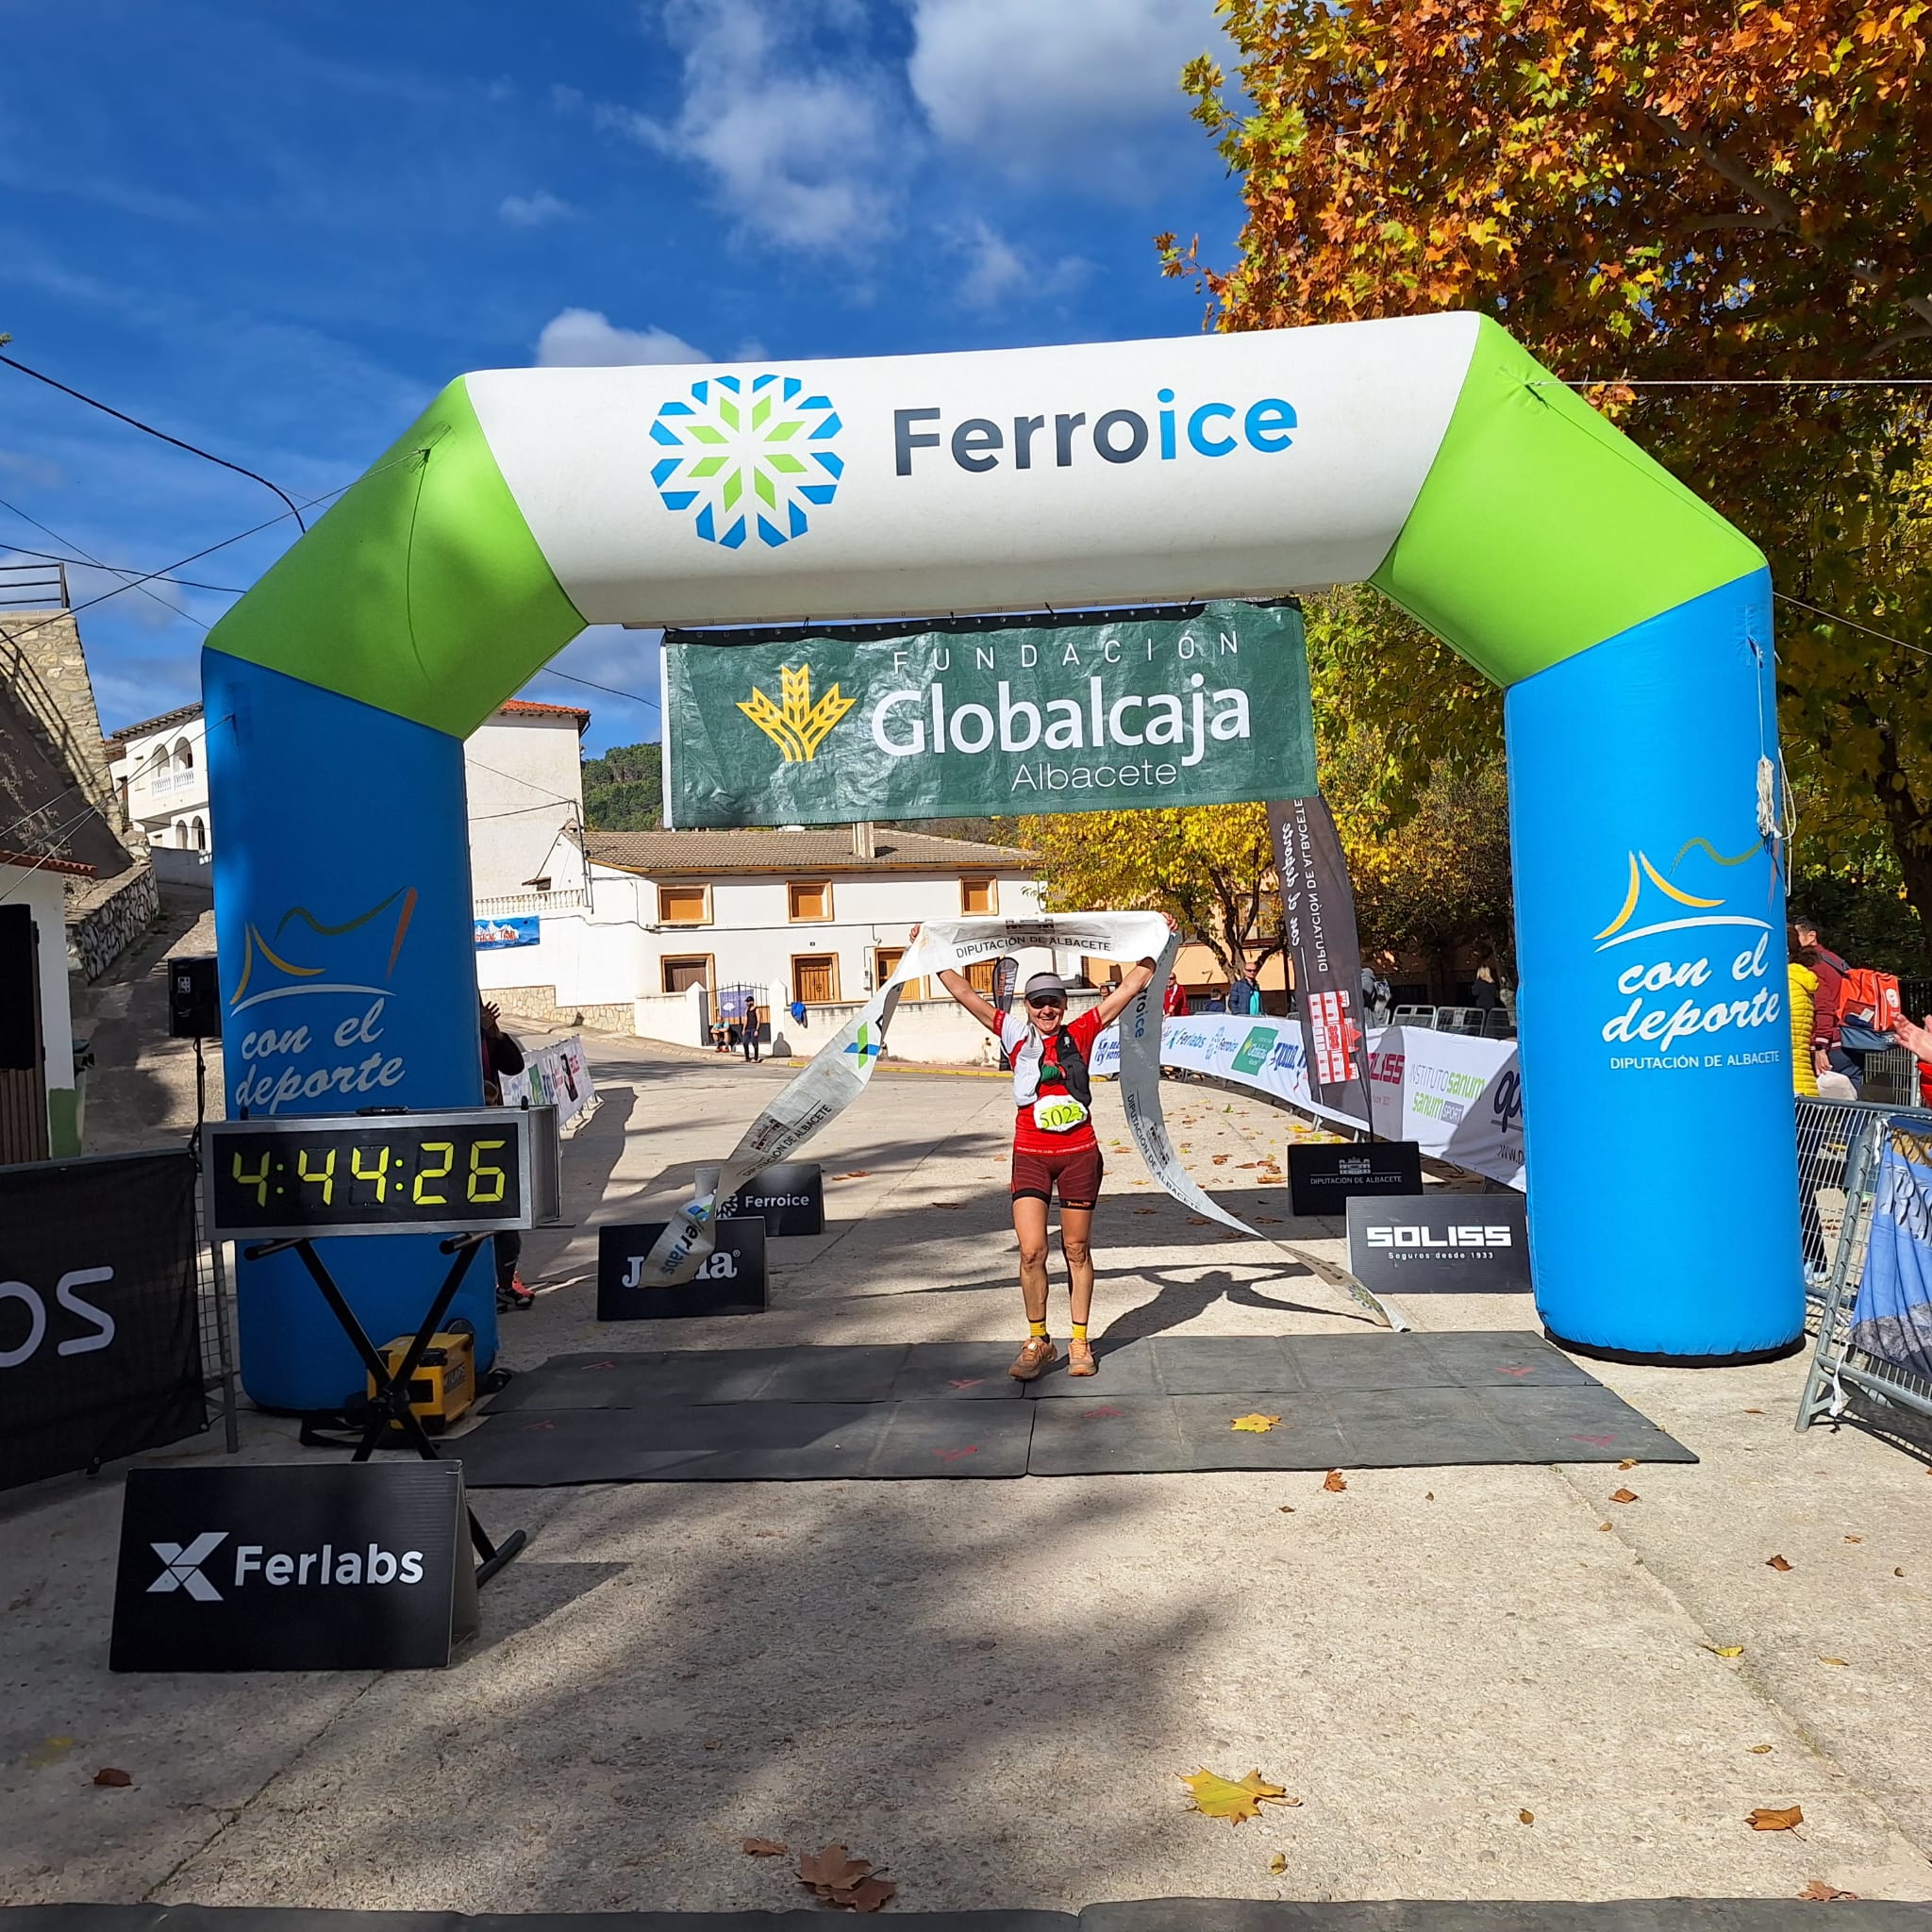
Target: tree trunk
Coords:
[[1910, 825]]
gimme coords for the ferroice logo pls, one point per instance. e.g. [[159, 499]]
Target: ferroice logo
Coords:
[[182, 1567], [796, 725], [747, 459]]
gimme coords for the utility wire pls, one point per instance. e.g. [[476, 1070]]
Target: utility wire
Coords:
[[1851, 624], [591, 684], [148, 429], [1726, 382], [118, 570], [86, 558]]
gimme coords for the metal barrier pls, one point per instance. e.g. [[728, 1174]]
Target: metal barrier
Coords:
[[1837, 1366]]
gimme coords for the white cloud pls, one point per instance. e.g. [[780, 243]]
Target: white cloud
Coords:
[[998, 271], [1051, 91], [586, 339], [798, 152], [537, 210]]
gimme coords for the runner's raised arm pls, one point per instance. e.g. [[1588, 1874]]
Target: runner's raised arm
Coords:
[[967, 995]]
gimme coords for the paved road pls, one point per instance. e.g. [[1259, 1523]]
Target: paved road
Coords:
[[991, 1686]]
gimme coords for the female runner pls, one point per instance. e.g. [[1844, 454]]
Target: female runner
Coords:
[[1054, 1144]]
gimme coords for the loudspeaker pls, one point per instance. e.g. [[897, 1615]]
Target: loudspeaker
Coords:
[[195, 998], [20, 990]]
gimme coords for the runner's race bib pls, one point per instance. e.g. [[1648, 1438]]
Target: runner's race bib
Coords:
[[1058, 1113]]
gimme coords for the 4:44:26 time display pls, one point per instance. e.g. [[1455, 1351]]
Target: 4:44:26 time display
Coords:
[[482, 1183]]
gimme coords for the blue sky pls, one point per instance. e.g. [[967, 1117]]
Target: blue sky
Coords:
[[276, 231]]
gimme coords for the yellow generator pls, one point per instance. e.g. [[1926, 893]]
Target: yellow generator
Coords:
[[445, 1384]]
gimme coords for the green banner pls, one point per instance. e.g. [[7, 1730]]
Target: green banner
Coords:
[[958, 721]]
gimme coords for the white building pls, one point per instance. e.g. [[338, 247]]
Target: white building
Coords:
[[523, 768], [40, 1112], [683, 925], [160, 769]]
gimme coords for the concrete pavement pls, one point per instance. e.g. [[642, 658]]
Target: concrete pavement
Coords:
[[991, 1688]]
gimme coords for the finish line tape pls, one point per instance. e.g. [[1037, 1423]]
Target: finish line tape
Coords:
[[840, 1071]]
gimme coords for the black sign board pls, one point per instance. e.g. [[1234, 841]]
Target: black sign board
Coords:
[[791, 1196], [100, 1350], [457, 1172], [1440, 1243], [731, 1280], [360, 1566], [1321, 1177]]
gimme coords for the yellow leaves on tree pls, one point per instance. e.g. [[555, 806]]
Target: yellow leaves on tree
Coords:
[[1234, 1799], [1681, 193]]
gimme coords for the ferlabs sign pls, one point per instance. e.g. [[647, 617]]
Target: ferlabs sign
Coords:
[[957, 720], [304, 1567]]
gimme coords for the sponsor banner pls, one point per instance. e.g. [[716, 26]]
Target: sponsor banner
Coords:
[[494, 934], [1318, 921], [1459, 1098], [962, 720], [1323, 1177], [730, 1280], [842, 1067], [1893, 1317], [359, 1565], [100, 1351], [1440, 1243], [789, 1197], [554, 1075]]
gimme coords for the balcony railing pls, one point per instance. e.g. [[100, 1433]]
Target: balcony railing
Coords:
[[522, 905]]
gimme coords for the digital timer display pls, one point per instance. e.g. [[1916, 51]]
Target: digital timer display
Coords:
[[441, 1172]]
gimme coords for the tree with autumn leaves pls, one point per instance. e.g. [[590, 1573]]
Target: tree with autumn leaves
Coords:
[[1646, 193]]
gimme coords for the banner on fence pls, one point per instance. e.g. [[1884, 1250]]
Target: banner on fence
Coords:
[[1892, 1319], [1049, 717], [1459, 1098], [553, 1077], [494, 935], [100, 1351]]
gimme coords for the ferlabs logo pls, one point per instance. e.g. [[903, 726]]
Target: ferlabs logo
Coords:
[[796, 725], [750, 459], [181, 1567]]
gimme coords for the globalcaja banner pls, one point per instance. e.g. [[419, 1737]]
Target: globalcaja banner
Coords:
[[1055, 716], [1457, 1097]]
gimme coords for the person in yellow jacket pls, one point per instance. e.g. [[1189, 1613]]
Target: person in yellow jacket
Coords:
[[1802, 998]]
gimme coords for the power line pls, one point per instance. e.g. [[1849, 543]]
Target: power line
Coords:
[[591, 684], [1728, 382], [1851, 624], [86, 558], [118, 570], [148, 429]]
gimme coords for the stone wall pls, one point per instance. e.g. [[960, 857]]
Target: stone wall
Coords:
[[100, 926], [538, 1004]]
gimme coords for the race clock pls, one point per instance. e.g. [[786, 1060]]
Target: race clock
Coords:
[[464, 1171]]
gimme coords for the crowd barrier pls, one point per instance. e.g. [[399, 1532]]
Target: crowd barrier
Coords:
[[554, 1075], [1838, 1369]]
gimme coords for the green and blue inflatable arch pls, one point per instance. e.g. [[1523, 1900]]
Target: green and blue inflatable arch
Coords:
[[1434, 457]]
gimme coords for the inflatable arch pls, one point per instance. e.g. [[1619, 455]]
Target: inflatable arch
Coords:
[[1432, 457]]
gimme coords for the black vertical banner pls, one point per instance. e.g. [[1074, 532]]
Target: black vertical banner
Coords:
[[1318, 914]]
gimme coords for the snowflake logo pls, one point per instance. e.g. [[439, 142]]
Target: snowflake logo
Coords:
[[744, 456]]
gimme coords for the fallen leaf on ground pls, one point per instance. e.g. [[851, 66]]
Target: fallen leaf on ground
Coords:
[[1147, 1210], [871, 1894], [1898, 1572], [945, 1203], [1334, 1482], [1758, 1750], [1232, 1798], [1837, 1660], [1285, 1509], [1527, 1817], [1623, 1495], [110, 1777], [839, 1879], [1725, 1650], [763, 1848], [1786, 1820], [1430, 1498], [1819, 1889], [1775, 1563], [1197, 1220], [49, 1751], [1603, 1525], [1257, 1425], [1854, 1539], [1279, 1863], [1754, 1412], [1222, 1159], [858, 1173]]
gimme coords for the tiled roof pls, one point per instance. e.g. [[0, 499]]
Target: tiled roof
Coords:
[[33, 863], [827, 849], [167, 717], [512, 707]]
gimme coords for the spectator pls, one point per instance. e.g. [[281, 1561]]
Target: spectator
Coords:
[[751, 1029], [1827, 1008], [501, 1056], [1241, 989], [1801, 979], [1174, 1001], [1486, 996]]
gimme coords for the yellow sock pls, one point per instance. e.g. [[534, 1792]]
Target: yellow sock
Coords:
[[1036, 1330], [1079, 1331]]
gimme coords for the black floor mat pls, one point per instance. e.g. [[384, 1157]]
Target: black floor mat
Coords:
[[950, 1409]]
